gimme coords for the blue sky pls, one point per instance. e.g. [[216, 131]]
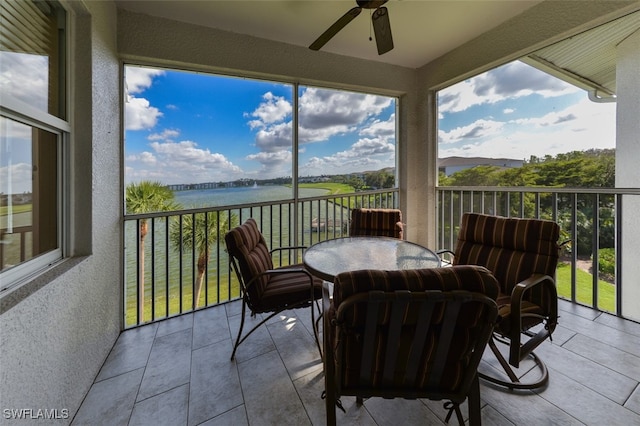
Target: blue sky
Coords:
[[189, 127], [186, 127]]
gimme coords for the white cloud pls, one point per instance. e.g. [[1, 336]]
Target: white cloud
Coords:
[[511, 81], [25, 77], [139, 79], [368, 147], [322, 114], [275, 137], [381, 128], [550, 119], [167, 134], [364, 154], [476, 130], [273, 109], [518, 79], [21, 178], [179, 162], [325, 113], [140, 115], [584, 125]]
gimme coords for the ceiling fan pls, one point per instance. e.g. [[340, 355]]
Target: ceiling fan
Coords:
[[380, 20]]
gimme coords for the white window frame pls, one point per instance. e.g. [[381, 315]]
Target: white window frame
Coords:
[[17, 110]]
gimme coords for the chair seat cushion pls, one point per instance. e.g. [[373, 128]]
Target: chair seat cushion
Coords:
[[284, 290], [528, 308]]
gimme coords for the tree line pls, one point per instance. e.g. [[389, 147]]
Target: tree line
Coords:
[[594, 168]]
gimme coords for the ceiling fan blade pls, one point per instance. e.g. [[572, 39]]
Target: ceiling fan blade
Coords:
[[382, 30], [335, 28]]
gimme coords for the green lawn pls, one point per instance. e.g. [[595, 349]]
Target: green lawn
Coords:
[[332, 187], [15, 209], [584, 286]]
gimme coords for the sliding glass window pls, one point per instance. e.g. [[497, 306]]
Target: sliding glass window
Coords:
[[217, 140], [33, 110]]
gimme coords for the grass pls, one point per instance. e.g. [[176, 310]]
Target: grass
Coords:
[[584, 288], [15, 209], [333, 187]]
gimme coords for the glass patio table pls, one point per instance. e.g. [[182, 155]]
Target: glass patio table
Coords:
[[327, 259]]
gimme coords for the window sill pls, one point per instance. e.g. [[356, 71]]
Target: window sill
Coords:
[[16, 294]]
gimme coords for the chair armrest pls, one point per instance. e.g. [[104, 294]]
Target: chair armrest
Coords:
[[399, 229], [326, 296], [516, 307], [288, 248], [444, 259], [291, 248], [281, 271]]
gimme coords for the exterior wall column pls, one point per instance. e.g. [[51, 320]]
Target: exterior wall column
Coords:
[[627, 170]]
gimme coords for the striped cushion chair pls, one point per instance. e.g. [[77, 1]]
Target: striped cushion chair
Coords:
[[266, 289], [522, 254], [416, 333], [376, 222]]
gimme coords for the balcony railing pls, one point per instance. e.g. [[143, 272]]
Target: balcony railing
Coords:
[[163, 272], [591, 229]]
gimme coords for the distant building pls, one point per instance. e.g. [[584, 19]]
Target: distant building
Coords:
[[450, 165]]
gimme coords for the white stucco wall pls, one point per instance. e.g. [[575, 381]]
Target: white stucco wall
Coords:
[[53, 343], [627, 170]]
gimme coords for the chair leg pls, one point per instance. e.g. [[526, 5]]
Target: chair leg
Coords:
[[330, 405], [237, 343], [514, 382], [239, 340], [329, 381], [314, 324], [475, 418]]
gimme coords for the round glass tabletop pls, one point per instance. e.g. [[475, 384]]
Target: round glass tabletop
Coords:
[[327, 259]]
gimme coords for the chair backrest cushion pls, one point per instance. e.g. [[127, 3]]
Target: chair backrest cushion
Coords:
[[445, 349], [376, 222], [512, 249], [247, 244], [463, 277]]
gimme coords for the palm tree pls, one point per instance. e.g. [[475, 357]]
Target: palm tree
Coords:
[[147, 197], [202, 234]]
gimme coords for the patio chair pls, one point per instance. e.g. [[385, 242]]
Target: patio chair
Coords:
[[376, 222], [523, 255], [415, 333], [266, 289]]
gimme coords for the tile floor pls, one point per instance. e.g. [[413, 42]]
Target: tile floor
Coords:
[[178, 372]]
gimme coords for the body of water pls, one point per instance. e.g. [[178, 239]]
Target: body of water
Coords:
[[240, 195], [169, 278]]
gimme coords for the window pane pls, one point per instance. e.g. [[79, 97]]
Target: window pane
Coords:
[[31, 54], [28, 188], [347, 137], [214, 140], [516, 125]]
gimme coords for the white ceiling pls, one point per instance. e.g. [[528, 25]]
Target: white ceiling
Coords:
[[422, 29], [588, 59]]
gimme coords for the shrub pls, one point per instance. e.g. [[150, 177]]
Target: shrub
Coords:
[[607, 262]]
